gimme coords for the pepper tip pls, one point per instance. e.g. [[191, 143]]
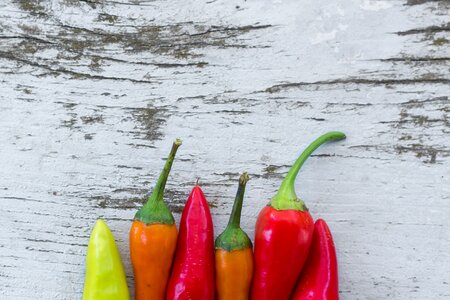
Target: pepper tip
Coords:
[[337, 135], [99, 224]]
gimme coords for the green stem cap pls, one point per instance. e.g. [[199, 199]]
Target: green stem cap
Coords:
[[155, 211], [233, 237], [286, 198]]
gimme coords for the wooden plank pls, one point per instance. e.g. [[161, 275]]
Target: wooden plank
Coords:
[[93, 92]]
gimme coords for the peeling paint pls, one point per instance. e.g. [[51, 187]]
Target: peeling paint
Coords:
[[93, 93]]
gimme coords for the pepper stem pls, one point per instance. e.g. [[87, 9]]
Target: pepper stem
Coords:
[[155, 210], [233, 237], [235, 217], [158, 191], [286, 198]]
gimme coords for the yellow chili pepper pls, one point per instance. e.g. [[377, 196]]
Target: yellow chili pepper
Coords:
[[234, 256], [105, 278]]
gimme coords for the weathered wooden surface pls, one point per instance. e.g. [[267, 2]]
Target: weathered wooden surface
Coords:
[[92, 93]]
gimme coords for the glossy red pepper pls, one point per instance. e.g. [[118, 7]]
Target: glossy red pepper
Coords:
[[283, 235], [193, 270], [319, 278]]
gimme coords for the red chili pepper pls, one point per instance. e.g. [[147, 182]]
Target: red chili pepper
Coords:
[[283, 235], [319, 278], [193, 270]]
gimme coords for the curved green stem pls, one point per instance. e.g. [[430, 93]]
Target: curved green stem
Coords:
[[158, 191], [155, 210], [235, 217], [286, 198]]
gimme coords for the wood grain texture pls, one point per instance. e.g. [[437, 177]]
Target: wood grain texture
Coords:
[[92, 93]]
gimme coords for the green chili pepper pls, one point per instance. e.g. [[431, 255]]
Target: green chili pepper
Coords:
[[105, 278]]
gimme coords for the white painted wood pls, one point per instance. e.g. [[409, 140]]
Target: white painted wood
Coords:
[[92, 93]]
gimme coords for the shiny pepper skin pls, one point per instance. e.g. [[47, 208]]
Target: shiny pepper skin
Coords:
[[105, 277], [282, 240], [234, 271], [319, 278], [153, 250], [193, 269]]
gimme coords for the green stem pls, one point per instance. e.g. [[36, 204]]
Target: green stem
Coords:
[[286, 198], [155, 210], [235, 217], [158, 191], [233, 237]]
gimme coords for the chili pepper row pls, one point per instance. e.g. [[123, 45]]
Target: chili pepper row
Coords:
[[293, 256]]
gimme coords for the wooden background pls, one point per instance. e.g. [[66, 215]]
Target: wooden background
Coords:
[[92, 93]]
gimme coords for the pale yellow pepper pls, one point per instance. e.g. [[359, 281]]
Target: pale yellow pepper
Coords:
[[105, 277]]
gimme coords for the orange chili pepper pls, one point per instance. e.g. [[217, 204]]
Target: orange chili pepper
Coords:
[[153, 239], [234, 256]]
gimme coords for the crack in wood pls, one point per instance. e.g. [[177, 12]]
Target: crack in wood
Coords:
[[417, 59], [426, 30], [74, 74], [419, 2], [359, 81]]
